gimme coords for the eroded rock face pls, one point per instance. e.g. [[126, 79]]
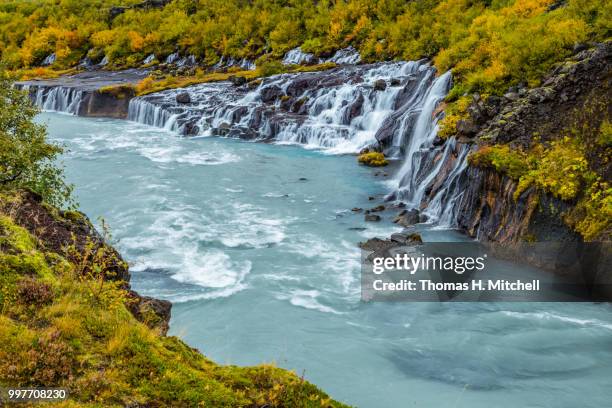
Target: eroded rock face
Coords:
[[489, 211], [155, 313]]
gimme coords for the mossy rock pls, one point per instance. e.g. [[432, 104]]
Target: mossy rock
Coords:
[[372, 159]]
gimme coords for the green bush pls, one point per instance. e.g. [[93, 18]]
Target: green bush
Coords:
[[27, 159], [372, 159]]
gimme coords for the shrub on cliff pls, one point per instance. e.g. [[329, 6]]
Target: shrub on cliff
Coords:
[[27, 158], [372, 159]]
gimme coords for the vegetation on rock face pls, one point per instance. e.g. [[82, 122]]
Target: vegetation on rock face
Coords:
[[372, 159], [562, 170]]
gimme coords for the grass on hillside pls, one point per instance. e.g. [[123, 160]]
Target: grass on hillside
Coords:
[[60, 327]]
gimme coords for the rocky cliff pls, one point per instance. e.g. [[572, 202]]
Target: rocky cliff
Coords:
[[573, 101]]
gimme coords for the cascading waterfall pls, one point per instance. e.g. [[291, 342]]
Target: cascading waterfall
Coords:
[[389, 106], [56, 98]]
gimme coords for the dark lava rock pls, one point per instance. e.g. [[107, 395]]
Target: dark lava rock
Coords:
[[511, 96], [372, 217], [271, 93], [355, 108], [183, 97], [407, 218], [467, 128], [378, 208], [579, 48], [395, 82], [237, 80], [116, 11], [380, 85], [438, 141], [190, 129], [377, 244], [155, 313]]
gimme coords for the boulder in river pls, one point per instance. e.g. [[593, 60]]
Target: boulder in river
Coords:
[[380, 85], [183, 97], [372, 217], [407, 218]]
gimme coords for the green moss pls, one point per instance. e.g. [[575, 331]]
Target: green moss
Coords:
[[15, 237], [122, 91], [372, 159], [560, 169], [605, 135], [502, 158]]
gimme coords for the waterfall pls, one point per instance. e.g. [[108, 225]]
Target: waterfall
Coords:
[[388, 106], [55, 98]]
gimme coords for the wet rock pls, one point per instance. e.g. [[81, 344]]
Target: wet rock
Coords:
[[299, 106], [380, 85], [303, 179], [357, 209], [190, 129], [354, 109], [378, 208], [183, 97], [223, 129], [270, 93], [377, 245], [237, 80], [372, 217], [395, 82], [438, 141], [407, 218], [409, 237], [254, 84]]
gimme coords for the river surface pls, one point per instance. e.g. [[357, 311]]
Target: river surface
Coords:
[[255, 244]]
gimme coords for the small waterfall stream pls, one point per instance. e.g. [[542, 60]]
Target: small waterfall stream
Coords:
[[387, 106], [56, 98]]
